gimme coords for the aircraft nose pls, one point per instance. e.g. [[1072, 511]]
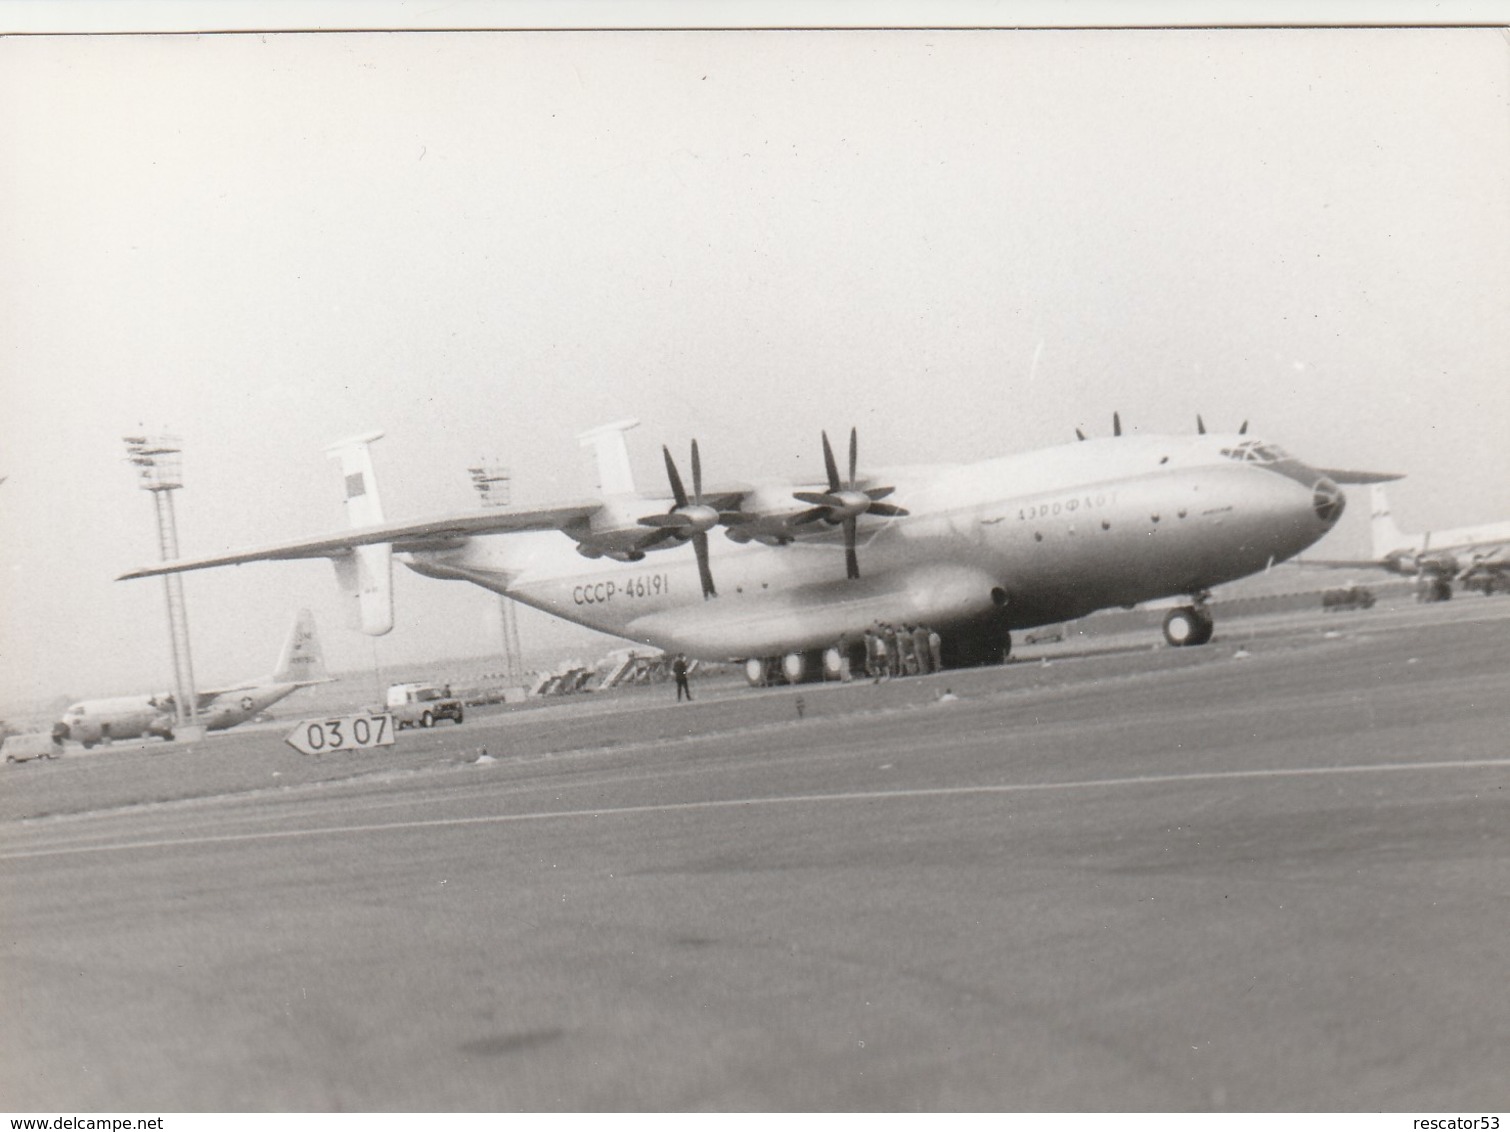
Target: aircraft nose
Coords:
[[1328, 501]]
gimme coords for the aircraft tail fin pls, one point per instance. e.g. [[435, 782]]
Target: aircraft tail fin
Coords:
[[302, 661], [364, 508], [607, 442], [1386, 536], [365, 573]]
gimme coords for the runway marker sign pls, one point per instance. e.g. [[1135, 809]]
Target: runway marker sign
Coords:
[[349, 733]]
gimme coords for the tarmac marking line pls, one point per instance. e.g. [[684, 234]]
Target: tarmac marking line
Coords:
[[794, 799]]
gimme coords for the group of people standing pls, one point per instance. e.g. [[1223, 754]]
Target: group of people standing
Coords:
[[893, 650]]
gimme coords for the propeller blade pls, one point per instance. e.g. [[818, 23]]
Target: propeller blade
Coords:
[[822, 499], [697, 475], [890, 510], [879, 492], [812, 514], [1116, 424], [704, 571], [854, 455], [1080, 434], [851, 558], [678, 492], [1244, 430], [828, 463], [735, 518], [1200, 425]]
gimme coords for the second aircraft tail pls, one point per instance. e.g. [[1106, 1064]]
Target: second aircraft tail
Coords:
[[302, 661], [1387, 538]]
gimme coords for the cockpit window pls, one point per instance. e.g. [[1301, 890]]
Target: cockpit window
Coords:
[[1256, 452]]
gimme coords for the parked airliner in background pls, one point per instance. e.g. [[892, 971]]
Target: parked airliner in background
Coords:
[[1477, 557], [972, 550], [300, 664]]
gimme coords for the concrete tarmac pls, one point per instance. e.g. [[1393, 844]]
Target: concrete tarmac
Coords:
[[1272, 873]]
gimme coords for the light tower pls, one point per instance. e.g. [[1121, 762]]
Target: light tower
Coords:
[[159, 464], [492, 484]]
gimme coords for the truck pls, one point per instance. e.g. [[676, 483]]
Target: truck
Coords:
[[33, 745], [422, 705]]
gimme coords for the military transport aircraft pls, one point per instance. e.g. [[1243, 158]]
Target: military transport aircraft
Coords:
[[300, 664], [1477, 557], [972, 550]]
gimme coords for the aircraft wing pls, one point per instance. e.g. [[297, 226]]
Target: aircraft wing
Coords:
[[205, 698], [1343, 563], [1343, 475], [428, 534]]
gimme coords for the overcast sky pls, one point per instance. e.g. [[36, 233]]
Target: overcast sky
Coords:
[[965, 243]]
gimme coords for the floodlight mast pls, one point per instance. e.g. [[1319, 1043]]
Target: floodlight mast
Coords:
[[492, 483], [159, 464]]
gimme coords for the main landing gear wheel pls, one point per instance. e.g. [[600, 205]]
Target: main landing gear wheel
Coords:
[[800, 667], [1433, 587], [1188, 625], [757, 671]]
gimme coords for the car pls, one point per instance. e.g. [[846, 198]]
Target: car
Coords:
[[422, 705]]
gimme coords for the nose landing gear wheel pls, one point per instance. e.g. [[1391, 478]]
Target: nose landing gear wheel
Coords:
[[1188, 625]]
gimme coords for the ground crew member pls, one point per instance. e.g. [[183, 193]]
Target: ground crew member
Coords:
[[679, 670], [920, 650], [893, 650], [936, 649], [844, 647]]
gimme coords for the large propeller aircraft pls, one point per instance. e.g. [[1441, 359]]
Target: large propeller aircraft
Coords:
[[972, 550]]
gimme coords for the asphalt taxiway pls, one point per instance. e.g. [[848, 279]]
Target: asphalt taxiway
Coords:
[[1272, 873]]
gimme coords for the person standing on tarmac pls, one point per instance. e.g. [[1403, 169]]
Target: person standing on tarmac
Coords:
[[844, 650], [893, 650], [920, 650], [679, 670], [936, 650]]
